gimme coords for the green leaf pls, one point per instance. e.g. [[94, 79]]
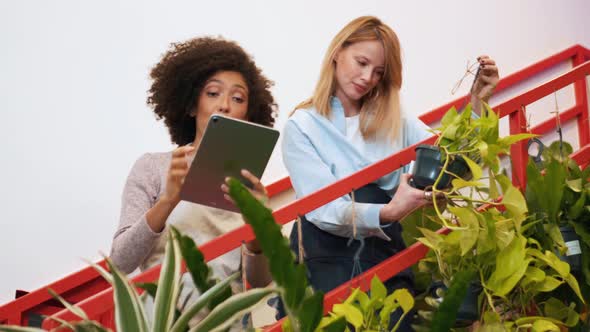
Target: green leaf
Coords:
[[311, 312], [352, 314], [487, 233], [474, 167], [149, 287], [450, 117], [551, 260], [73, 309], [460, 183], [227, 312], [513, 201], [445, 316], [289, 276], [575, 185], [548, 284], [571, 280], [332, 324], [364, 301], [493, 185], [542, 325], [467, 219], [168, 285], [509, 140], [576, 210], [555, 309], [129, 312], [513, 263], [534, 274], [182, 322], [432, 238], [195, 262], [378, 290]]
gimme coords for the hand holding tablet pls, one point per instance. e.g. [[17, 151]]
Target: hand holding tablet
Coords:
[[228, 147]]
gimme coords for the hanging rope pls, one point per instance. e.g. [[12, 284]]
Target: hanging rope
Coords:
[[301, 251], [356, 262]]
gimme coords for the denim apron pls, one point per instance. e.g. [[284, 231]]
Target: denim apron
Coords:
[[330, 260]]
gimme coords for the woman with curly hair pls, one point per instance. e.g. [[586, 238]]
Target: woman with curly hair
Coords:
[[194, 80]]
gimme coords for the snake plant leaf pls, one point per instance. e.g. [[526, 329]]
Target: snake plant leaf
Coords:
[[168, 285], [150, 288], [129, 311], [74, 309], [195, 262], [199, 270], [229, 310], [289, 276], [205, 298]]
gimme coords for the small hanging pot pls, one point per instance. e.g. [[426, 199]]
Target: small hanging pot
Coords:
[[428, 165]]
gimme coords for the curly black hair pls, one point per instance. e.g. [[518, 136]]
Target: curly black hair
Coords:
[[181, 74]]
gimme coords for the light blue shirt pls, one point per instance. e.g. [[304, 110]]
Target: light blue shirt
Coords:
[[317, 153]]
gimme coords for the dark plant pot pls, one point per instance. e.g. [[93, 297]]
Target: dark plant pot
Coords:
[[469, 310], [428, 165], [574, 253]]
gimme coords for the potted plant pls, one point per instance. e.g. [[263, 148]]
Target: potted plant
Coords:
[[304, 307], [489, 237], [369, 311], [557, 192]]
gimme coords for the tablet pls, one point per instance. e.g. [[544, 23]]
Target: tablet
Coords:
[[228, 146]]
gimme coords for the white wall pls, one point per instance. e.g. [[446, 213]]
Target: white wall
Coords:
[[73, 76]]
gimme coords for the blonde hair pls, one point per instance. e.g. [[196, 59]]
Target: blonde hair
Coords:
[[380, 110]]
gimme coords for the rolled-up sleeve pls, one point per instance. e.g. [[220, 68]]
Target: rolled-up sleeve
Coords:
[[309, 173]]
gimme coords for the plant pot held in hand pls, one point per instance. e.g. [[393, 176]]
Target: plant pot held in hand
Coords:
[[429, 164]]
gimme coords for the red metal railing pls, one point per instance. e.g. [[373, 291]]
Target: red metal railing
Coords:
[[77, 287]]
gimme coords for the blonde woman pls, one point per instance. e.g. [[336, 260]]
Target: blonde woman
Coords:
[[352, 120]]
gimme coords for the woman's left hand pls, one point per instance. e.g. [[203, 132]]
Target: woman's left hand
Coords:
[[258, 191], [487, 80]]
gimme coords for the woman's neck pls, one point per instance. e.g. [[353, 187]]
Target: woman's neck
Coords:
[[351, 107]]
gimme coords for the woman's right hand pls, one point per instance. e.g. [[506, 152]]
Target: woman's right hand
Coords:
[[405, 201], [177, 172]]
